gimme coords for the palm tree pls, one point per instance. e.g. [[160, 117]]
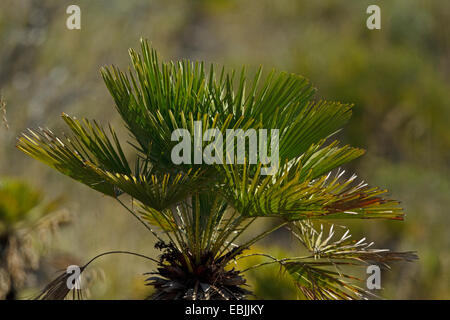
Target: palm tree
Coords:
[[24, 218], [200, 213]]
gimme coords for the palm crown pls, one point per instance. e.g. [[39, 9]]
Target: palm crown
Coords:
[[198, 212]]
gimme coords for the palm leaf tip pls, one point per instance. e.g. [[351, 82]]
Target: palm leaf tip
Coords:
[[317, 283], [58, 289]]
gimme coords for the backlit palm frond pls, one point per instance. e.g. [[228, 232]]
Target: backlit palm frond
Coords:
[[203, 225], [66, 282], [320, 275], [330, 246], [273, 101], [164, 88], [159, 218], [60, 155], [316, 282], [186, 86], [319, 159], [157, 92], [201, 207], [315, 122], [79, 156], [290, 195], [58, 289], [91, 141], [158, 191]]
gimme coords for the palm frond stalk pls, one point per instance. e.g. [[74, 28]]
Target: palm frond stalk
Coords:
[[199, 211]]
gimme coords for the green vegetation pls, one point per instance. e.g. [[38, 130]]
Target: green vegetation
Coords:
[[26, 222], [201, 211], [397, 77]]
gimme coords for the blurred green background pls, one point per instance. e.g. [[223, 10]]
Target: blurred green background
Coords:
[[397, 77]]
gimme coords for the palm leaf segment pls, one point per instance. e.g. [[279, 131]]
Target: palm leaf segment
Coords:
[[203, 208]]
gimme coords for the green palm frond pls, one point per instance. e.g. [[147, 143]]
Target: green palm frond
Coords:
[[316, 121], [159, 218], [328, 246], [319, 159], [187, 87], [290, 195], [82, 156], [320, 275], [157, 92], [318, 283], [91, 141], [324, 272], [202, 210], [62, 155], [157, 191]]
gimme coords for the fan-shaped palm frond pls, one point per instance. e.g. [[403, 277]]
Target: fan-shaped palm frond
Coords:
[[290, 196], [203, 209], [320, 275], [325, 246]]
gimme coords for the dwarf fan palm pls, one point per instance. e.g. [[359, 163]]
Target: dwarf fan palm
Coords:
[[198, 212], [24, 217]]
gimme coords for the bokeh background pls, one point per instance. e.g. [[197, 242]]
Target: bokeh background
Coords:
[[397, 77]]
